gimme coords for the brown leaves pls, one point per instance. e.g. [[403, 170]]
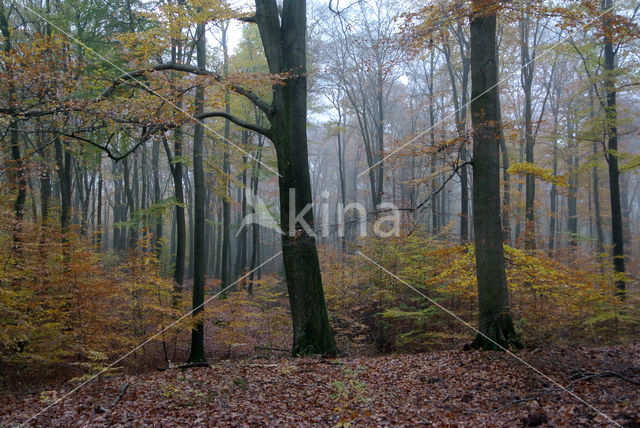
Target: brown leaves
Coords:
[[439, 389]]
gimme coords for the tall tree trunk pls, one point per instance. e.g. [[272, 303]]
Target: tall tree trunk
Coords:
[[99, 208], [617, 236], [596, 203], [63, 163], [495, 322], [255, 227], [506, 183], [553, 202], [189, 209], [460, 109], [155, 166], [199, 257], [572, 202], [527, 72], [133, 224], [21, 184], [175, 166], [284, 40], [241, 254], [226, 170], [16, 157], [435, 205]]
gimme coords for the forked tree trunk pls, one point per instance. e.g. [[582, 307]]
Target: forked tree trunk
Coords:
[[283, 37]]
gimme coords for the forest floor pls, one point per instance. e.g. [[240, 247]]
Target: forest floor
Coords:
[[450, 388]]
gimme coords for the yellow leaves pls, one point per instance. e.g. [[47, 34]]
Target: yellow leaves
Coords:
[[550, 296], [545, 174], [631, 164]]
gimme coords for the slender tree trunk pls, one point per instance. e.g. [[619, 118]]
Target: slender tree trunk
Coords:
[[226, 170], [506, 201], [133, 235], [199, 257], [617, 236], [175, 166], [155, 166], [63, 161], [596, 203], [255, 227], [553, 203], [241, 254], [99, 208], [16, 157], [530, 184], [572, 202]]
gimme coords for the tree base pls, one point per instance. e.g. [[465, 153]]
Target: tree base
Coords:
[[500, 336]]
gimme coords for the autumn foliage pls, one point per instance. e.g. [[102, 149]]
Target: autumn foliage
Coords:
[[554, 301]]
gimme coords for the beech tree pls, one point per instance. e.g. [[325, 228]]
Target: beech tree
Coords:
[[612, 148], [284, 40], [495, 322]]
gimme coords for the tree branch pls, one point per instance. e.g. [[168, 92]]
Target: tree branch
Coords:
[[240, 122], [260, 102], [116, 156]]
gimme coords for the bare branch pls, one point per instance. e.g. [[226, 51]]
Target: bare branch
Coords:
[[240, 122]]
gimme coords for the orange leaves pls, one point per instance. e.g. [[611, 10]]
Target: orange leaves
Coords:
[[63, 303]]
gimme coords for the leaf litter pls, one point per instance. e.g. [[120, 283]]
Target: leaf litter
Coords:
[[449, 388]]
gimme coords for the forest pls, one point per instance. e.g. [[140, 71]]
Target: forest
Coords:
[[319, 213]]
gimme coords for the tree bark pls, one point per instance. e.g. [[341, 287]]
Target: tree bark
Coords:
[[157, 233], [617, 236], [197, 354], [225, 268], [284, 40], [495, 322], [63, 161]]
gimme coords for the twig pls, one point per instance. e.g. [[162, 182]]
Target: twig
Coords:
[[122, 391]]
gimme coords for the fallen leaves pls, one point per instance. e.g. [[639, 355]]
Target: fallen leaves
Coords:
[[451, 388]]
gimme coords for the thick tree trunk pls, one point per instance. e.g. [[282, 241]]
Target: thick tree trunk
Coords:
[[283, 36], [495, 322]]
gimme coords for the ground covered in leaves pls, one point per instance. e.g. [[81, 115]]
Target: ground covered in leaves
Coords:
[[453, 388]]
